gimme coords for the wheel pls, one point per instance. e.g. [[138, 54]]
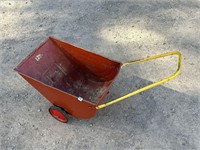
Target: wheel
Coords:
[[58, 113]]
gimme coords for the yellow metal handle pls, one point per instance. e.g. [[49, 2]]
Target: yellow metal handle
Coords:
[[151, 85]]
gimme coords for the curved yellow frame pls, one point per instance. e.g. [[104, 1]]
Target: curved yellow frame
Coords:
[[151, 85]]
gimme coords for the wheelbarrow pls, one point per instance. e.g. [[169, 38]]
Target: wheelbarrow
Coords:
[[77, 81]]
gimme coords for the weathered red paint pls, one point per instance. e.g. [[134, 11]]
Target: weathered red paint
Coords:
[[63, 73]]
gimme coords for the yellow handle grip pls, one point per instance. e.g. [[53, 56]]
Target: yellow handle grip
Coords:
[[151, 85]]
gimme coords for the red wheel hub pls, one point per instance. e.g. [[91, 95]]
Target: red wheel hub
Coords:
[[58, 115]]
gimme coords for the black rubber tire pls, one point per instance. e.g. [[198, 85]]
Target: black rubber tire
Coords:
[[61, 114]]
